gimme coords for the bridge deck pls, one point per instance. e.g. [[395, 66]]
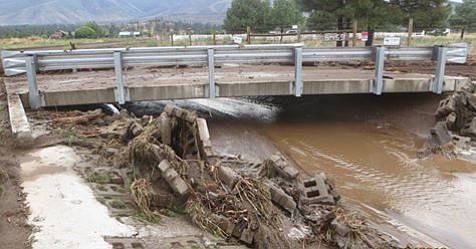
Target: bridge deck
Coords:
[[232, 81]]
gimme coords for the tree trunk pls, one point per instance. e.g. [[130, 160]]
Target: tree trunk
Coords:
[[370, 40], [347, 26], [340, 26], [462, 32]]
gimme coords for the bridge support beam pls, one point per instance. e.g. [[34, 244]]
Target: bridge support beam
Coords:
[[33, 93], [298, 85], [120, 90], [437, 85], [377, 84], [211, 73]]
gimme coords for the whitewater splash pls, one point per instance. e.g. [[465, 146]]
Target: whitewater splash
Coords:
[[244, 109]]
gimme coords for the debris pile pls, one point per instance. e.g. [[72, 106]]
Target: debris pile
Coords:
[[456, 121], [268, 204]]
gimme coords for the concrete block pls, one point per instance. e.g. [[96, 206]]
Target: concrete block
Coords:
[[166, 128], [228, 176], [340, 228], [447, 106], [283, 168], [316, 191], [173, 178], [470, 129], [247, 236], [280, 197], [222, 222]]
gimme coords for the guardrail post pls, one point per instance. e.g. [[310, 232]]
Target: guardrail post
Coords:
[[33, 92], [120, 91], [298, 84], [211, 73], [377, 85], [437, 86]]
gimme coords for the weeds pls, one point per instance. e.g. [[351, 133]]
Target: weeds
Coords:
[[100, 177], [141, 192], [3, 179], [70, 135], [118, 204]]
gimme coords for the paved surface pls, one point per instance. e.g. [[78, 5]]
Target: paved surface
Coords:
[[190, 76]]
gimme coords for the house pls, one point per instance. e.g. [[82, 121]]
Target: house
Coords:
[[124, 34], [58, 34]]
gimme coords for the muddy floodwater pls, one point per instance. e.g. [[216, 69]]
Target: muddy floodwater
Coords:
[[369, 146]]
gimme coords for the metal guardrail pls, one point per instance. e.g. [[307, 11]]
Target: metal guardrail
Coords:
[[31, 62]]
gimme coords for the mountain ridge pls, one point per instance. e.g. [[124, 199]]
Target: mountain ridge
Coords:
[[21, 12]]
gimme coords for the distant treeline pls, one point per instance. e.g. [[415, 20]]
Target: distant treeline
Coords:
[[20, 31], [110, 30]]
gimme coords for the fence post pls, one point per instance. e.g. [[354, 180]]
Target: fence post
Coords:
[[33, 92], [190, 39], [214, 38], [410, 31], [120, 91], [298, 84], [248, 34], [211, 73], [377, 85], [172, 39], [437, 86], [354, 33], [299, 34]]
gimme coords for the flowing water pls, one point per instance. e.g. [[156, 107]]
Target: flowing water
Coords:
[[369, 146]]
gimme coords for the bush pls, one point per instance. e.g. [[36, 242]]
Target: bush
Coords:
[[85, 32]]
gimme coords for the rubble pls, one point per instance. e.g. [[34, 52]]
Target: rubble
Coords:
[[170, 159], [456, 121]]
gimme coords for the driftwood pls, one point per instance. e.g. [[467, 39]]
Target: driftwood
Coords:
[[81, 119]]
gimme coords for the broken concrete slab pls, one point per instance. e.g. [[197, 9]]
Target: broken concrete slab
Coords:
[[166, 128], [440, 133], [283, 167], [228, 176], [173, 178], [280, 197]]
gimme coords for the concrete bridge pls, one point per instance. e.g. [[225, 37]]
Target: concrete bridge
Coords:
[[209, 72]]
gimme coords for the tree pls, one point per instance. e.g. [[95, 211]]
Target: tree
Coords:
[[285, 13], [247, 13], [85, 32], [100, 32], [426, 14], [321, 20], [464, 16]]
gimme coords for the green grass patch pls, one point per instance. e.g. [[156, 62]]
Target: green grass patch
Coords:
[[99, 177], [118, 204], [3, 180], [70, 135]]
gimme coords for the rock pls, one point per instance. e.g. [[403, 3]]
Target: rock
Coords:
[[283, 168], [280, 197], [228, 176], [316, 191], [440, 133], [461, 142], [222, 222], [451, 120], [173, 178]]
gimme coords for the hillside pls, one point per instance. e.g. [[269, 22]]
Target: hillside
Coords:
[[79, 11]]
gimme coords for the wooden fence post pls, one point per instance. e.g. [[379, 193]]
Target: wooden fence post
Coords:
[[354, 33], [248, 34], [410, 31]]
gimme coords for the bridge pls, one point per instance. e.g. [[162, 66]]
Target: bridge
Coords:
[[50, 78]]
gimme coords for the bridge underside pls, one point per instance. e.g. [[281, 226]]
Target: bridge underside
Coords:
[[93, 87]]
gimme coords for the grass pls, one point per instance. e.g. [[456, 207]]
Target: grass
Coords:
[[70, 135], [100, 177], [117, 204], [173, 211], [3, 179]]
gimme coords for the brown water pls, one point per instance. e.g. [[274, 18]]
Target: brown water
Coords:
[[368, 146]]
